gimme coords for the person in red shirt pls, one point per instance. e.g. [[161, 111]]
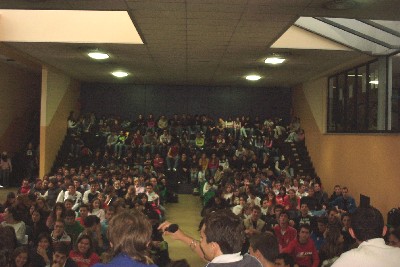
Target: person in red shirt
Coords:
[[303, 249], [283, 232], [25, 187], [83, 254]]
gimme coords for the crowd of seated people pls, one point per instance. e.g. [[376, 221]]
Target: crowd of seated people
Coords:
[[114, 164]]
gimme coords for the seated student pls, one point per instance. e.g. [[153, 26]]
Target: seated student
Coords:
[[318, 235], [368, 227], [58, 235], [129, 234], [83, 253], [302, 249], [13, 218], [332, 247], [265, 248], [305, 218], [72, 227], [254, 225], [93, 229], [222, 237], [83, 213], [60, 257], [20, 257], [37, 227], [345, 203], [42, 251], [349, 241], [284, 232]]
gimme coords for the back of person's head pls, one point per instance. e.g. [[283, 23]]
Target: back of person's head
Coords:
[[129, 232], [286, 258], [367, 223], [226, 229], [266, 244], [61, 248], [91, 221]]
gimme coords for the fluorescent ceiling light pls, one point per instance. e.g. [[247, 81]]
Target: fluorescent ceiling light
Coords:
[[119, 74], [253, 77], [374, 82], [274, 60], [98, 55]]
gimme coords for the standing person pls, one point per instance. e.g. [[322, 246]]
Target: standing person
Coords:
[[303, 249], [222, 237], [173, 156], [129, 234], [368, 227], [5, 169]]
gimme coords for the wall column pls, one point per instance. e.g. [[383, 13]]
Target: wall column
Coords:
[[60, 95]]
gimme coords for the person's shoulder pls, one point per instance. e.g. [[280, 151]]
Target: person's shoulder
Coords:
[[123, 260]]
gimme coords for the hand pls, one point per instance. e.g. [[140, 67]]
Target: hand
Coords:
[[41, 251], [178, 235]]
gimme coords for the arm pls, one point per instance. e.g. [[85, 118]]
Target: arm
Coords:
[[85, 198], [184, 238], [60, 197], [315, 257]]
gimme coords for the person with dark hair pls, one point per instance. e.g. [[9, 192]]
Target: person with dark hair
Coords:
[[302, 249], [42, 251], [93, 229], [368, 227], [394, 237], [83, 253], [284, 260], [60, 257], [283, 231], [13, 218], [20, 257], [129, 233], [72, 227], [222, 236], [332, 246], [265, 248]]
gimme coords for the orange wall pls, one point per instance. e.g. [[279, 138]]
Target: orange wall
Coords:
[[19, 101], [366, 163], [60, 95]]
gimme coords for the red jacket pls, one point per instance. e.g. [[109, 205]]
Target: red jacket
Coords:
[[284, 239], [303, 254]]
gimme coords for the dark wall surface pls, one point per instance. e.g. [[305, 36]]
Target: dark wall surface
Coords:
[[130, 100]]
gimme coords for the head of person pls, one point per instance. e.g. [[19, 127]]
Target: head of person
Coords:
[[44, 241], [337, 190], [284, 260], [84, 210], [60, 254], [345, 192], [346, 221], [129, 232], [283, 218], [255, 213], [84, 246], [322, 223], [92, 222], [304, 233], [264, 247], [20, 257], [367, 223], [59, 227], [221, 233], [394, 237]]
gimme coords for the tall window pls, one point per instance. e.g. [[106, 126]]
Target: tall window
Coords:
[[363, 99]]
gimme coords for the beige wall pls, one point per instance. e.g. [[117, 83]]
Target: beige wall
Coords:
[[366, 163], [19, 102], [60, 95]]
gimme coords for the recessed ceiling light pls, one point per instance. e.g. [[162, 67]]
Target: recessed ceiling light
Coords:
[[120, 74], [253, 77], [98, 55], [274, 60], [374, 82]]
